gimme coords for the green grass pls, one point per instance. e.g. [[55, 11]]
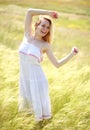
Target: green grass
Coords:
[[70, 6], [69, 85]]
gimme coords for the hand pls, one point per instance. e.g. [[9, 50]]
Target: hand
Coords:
[[74, 50], [54, 15]]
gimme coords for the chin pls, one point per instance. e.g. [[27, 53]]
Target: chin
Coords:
[[43, 35]]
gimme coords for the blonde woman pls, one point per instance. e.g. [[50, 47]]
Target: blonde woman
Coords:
[[34, 93]]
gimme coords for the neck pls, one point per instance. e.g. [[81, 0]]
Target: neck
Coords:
[[36, 37]]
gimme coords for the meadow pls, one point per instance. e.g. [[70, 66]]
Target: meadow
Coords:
[[69, 85]]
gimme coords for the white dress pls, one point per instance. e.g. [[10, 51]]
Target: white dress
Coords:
[[34, 93]]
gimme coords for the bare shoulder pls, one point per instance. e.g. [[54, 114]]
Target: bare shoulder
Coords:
[[47, 45]]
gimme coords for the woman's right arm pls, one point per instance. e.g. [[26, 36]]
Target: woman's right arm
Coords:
[[32, 12]]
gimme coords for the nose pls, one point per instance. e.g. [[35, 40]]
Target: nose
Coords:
[[45, 29]]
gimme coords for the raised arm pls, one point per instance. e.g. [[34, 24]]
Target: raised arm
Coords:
[[32, 12], [59, 63]]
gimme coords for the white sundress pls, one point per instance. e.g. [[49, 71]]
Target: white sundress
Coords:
[[33, 92]]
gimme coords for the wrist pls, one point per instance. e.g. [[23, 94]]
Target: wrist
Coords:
[[55, 15], [72, 54]]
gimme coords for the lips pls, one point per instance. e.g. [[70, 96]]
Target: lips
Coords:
[[43, 32]]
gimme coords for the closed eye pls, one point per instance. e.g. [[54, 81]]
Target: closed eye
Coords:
[[43, 25], [48, 27]]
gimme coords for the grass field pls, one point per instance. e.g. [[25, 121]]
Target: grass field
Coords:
[[69, 85]]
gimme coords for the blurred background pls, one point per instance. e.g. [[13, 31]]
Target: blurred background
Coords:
[[69, 85]]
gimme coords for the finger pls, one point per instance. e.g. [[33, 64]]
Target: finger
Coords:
[[55, 15], [75, 50]]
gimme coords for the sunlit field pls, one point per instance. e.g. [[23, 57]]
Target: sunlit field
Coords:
[[69, 85]]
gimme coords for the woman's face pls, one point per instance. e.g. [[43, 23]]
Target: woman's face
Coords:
[[43, 28]]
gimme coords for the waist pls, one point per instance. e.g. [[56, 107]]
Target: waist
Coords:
[[29, 58]]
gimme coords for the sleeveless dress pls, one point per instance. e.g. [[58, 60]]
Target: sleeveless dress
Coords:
[[33, 85]]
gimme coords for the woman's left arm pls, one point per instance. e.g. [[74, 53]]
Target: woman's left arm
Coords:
[[59, 63]]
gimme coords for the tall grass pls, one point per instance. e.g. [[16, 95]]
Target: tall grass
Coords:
[[69, 85], [70, 6]]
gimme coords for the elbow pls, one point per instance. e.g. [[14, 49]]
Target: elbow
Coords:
[[57, 65], [30, 11]]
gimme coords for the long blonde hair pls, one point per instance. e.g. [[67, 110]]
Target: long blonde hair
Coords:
[[48, 36]]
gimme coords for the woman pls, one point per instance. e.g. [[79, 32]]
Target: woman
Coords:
[[34, 94]]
